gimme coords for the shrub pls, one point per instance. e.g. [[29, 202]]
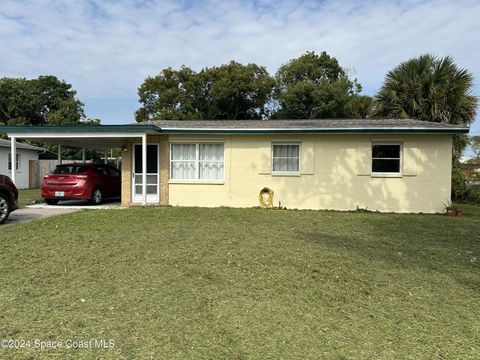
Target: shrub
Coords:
[[463, 189], [459, 184]]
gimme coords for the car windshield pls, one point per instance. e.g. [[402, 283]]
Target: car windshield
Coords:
[[70, 169]]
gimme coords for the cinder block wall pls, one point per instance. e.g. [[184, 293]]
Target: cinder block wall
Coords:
[[335, 174], [164, 169], [127, 173]]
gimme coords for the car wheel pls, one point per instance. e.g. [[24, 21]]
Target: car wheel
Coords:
[[51, 201], [4, 209], [97, 197]]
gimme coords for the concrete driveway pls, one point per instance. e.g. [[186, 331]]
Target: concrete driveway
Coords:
[[41, 211], [78, 205], [26, 214]]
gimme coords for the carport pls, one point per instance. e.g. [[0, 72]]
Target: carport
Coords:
[[98, 137]]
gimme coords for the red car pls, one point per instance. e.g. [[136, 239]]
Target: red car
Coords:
[[92, 182], [8, 197]]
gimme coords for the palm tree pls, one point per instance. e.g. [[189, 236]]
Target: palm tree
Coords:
[[430, 89]]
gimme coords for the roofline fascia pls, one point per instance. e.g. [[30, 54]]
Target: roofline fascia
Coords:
[[80, 128], [316, 131], [75, 135], [19, 147], [141, 129]]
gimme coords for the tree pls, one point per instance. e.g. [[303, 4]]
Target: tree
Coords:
[[475, 145], [430, 89], [359, 106], [236, 91], [316, 86], [45, 100], [169, 95], [42, 101], [230, 91]]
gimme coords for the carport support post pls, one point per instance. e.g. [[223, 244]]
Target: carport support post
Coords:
[[13, 155], [144, 169], [83, 155], [59, 150], [106, 160]]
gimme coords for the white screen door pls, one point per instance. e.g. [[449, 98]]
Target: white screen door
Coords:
[[152, 173]]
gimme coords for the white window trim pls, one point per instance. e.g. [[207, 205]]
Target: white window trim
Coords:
[[17, 162], [287, 173], [197, 160], [388, 174], [197, 182]]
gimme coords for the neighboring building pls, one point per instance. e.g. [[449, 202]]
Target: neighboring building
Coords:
[[25, 153], [385, 165]]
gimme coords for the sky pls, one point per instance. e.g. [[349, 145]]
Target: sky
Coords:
[[105, 49]]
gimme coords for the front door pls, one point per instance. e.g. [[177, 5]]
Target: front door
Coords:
[[152, 173]]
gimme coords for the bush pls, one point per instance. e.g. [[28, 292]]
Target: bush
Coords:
[[473, 194], [459, 184], [464, 190]]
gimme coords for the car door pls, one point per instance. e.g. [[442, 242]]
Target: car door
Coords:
[[116, 180], [104, 179]]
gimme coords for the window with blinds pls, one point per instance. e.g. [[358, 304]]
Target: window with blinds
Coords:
[[286, 158]]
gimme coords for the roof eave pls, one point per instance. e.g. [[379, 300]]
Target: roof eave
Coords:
[[154, 129], [317, 131], [81, 128], [20, 147]]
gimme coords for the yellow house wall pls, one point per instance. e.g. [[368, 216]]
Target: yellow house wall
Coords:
[[126, 197], [335, 174]]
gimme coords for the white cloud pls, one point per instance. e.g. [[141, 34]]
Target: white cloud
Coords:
[[106, 48]]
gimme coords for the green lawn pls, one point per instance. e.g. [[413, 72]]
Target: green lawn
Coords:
[[184, 283], [28, 196]]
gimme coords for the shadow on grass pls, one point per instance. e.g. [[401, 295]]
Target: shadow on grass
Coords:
[[433, 243]]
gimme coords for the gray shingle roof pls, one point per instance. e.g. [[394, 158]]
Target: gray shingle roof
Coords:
[[307, 125], [7, 143]]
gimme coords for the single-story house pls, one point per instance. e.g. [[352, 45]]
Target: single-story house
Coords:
[[24, 154], [391, 165]]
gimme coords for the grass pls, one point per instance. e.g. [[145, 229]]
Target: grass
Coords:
[[184, 283], [28, 196]]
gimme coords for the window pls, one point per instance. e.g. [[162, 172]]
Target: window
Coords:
[[286, 158], [17, 162], [70, 169], [386, 158], [197, 162], [100, 170], [113, 171]]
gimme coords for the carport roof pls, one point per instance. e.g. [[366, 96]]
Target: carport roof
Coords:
[[141, 128], [99, 137]]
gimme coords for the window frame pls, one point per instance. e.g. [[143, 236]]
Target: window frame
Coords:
[[197, 161], [287, 173], [384, 173], [113, 171], [98, 172], [17, 162]]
